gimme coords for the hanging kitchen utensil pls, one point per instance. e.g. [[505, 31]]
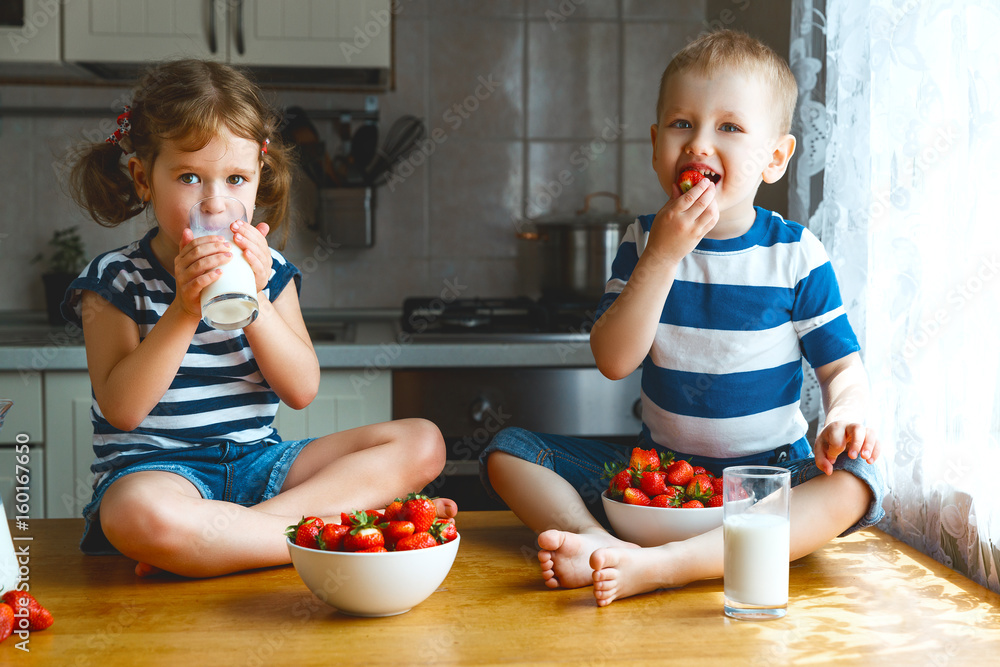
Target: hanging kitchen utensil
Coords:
[[364, 144], [402, 138], [577, 250]]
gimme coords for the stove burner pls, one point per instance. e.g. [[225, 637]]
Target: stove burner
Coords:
[[518, 316]]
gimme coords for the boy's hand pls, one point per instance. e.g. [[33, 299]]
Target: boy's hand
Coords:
[[683, 221], [251, 241], [196, 267], [838, 437]]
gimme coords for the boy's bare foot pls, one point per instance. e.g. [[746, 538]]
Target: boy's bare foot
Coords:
[[446, 507], [565, 557], [619, 573]]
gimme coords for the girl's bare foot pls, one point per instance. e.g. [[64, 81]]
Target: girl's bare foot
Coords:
[[619, 573], [146, 570], [565, 557]]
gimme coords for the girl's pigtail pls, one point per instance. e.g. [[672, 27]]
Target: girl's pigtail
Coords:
[[100, 183]]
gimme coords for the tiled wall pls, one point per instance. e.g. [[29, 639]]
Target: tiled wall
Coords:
[[570, 89]]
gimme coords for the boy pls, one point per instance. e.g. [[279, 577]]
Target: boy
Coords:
[[718, 301]]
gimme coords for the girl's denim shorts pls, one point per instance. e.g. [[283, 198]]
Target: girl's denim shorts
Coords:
[[245, 474], [581, 462]]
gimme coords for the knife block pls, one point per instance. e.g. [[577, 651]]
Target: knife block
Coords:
[[346, 217]]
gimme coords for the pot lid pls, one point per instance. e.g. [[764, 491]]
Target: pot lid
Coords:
[[587, 216]]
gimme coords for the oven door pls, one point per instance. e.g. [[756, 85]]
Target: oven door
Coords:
[[471, 405]]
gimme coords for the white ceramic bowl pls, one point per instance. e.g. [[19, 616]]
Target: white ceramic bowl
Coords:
[[653, 526], [380, 584]]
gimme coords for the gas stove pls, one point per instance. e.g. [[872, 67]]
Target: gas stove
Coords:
[[517, 319]]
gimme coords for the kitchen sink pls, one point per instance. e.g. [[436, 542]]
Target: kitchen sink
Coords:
[[331, 332]]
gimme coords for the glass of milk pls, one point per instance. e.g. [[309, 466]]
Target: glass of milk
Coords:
[[755, 528], [231, 301]]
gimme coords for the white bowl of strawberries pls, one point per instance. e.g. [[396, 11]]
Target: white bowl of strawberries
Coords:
[[656, 499], [375, 562]]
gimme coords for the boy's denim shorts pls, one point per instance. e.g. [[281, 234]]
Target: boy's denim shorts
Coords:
[[581, 462], [244, 474]]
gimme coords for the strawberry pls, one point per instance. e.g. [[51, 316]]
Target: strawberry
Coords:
[[689, 179], [621, 481], [653, 483], [373, 550], [421, 540], [444, 530], [714, 501], [667, 499], [394, 531], [717, 486], [679, 473], [364, 537], [635, 497], [6, 621], [392, 509], [331, 538], [699, 488], [698, 470], [304, 533], [644, 459], [693, 503], [418, 509], [39, 617]]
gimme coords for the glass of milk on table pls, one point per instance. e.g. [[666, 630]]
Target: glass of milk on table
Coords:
[[231, 301], [755, 528]]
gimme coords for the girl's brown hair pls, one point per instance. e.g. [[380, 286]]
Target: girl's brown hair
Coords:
[[190, 102]]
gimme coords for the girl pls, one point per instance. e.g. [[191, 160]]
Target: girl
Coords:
[[190, 475]]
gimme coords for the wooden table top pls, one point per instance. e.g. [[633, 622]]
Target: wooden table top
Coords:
[[865, 599]]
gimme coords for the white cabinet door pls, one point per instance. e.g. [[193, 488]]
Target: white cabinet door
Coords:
[[116, 31], [345, 400], [25, 418], [16, 462], [36, 38], [311, 33], [69, 444]]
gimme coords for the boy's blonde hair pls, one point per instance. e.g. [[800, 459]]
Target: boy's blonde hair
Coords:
[[190, 102], [733, 50]]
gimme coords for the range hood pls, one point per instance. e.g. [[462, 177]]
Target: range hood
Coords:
[[364, 78]]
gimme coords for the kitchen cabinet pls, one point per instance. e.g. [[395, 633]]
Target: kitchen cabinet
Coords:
[[69, 438], [29, 31], [271, 33], [346, 399], [21, 443]]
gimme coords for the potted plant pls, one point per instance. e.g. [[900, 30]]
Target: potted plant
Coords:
[[64, 263]]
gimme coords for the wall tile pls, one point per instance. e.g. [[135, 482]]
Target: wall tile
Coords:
[[557, 12], [561, 175], [476, 79], [472, 278], [649, 47], [643, 193], [688, 10], [475, 198], [573, 83], [494, 8]]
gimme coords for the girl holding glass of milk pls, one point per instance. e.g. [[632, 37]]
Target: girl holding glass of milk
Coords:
[[190, 475]]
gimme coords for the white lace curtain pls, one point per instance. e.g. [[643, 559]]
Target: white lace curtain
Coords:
[[899, 131]]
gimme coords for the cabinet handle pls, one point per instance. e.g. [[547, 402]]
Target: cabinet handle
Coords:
[[239, 27], [212, 45]]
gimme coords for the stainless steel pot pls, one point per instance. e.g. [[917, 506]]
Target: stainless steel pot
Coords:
[[577, 252]]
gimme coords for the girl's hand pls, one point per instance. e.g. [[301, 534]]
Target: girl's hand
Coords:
[[838, 437], [683, 221], [197, 266], [251, 241]]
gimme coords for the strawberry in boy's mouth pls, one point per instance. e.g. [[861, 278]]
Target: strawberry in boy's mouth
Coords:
[[691, 177]]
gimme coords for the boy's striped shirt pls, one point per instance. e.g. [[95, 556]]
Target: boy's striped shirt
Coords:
[[724, 374], [218, 394]]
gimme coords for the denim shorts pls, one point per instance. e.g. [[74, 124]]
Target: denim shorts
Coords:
[[244, 474], [581, 462]]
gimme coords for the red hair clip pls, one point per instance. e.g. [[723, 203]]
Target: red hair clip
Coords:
[[263, 148], [124, 125]]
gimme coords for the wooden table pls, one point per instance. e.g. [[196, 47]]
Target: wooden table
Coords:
[[866, 599]]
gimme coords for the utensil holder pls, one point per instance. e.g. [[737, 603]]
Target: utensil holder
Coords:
[[346, 216]]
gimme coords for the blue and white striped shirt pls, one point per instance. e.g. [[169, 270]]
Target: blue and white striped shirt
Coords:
[[724, 374], [218, 394]]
